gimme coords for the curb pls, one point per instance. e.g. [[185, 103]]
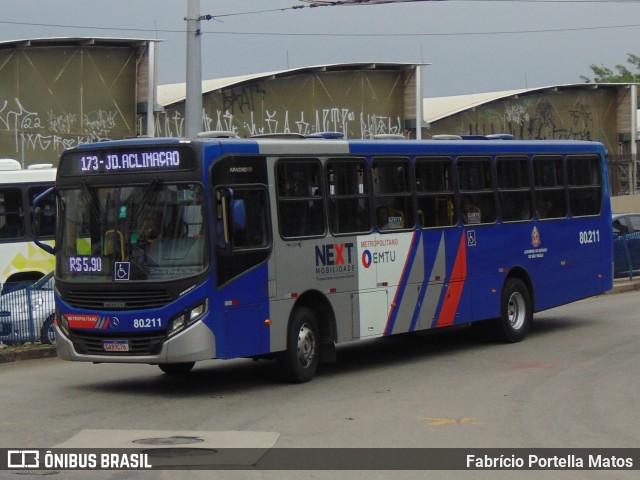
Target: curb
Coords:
[[623, 286], [26, 353]]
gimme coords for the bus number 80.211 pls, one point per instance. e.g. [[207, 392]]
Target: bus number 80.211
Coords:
[[589, 236]]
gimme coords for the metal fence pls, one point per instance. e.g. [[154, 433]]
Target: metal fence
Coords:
[[626, 255], [27, 311]]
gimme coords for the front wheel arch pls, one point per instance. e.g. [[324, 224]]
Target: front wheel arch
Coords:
[[299, 361]]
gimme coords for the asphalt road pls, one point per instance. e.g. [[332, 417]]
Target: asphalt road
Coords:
[[572, 383]]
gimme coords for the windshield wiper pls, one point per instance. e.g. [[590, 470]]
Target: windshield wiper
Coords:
[[154, 188], [92, 199]]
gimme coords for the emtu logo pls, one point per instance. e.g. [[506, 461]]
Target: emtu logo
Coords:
[[367, 259]]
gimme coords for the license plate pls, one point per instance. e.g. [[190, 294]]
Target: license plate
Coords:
[[115, 345]]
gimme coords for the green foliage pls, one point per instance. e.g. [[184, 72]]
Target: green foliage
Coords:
[[603, 74]]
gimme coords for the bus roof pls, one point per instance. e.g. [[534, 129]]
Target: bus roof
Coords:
[[320, 145], [30, 175]]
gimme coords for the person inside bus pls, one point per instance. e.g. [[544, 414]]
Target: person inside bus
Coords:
[[389, 219], [384, 222], [470, 211], [151, 228]]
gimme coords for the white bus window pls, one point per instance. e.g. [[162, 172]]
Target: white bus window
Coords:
[[11, 213], [300, 198], [348, 199], [392, 193]]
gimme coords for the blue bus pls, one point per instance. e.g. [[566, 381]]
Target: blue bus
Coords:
[[171, 251]]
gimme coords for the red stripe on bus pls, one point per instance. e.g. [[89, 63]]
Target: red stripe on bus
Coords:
[[454, 290]]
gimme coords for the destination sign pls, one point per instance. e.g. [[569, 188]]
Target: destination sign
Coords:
[[166, 158]]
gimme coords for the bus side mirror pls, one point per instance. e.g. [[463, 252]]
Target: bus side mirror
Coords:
[[37, 223]]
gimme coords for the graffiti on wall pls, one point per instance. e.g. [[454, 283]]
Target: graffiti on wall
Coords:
[[52, 131], [57, 97], [306, 104], [574, 115], [171, 123], [243, 99]]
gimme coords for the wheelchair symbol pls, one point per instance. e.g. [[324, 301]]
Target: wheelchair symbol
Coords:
[[122, 271], [471, 238]]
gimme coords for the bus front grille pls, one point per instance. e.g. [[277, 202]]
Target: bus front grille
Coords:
[[88, 344], [120, 300]]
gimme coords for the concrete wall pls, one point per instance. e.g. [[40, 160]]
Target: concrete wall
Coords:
[[358, 103], [61, 93], [575, 114], [625, 203]]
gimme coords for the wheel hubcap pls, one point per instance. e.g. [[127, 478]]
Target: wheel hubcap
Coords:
[[306, 346], [516, 310]]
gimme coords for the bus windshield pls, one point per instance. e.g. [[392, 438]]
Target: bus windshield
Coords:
[[154, 232]]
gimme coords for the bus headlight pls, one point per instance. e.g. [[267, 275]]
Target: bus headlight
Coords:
[[63, 323], [187, 318]]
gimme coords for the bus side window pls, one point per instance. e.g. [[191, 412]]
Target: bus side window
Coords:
[[434, 189], [393, 193], [301, 210], [348, 196], [11, 214], [514, 188], [48, 206], [549, 187], [475, 184]]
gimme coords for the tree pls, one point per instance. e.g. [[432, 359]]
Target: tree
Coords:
[[603, 74]]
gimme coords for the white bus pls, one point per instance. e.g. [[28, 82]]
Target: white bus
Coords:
[[20, 259]]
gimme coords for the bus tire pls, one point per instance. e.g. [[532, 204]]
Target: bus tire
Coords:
[[48, 331], [516, 312], [176, 368], [299, 362]]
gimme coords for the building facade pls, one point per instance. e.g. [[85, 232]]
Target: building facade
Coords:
[[58, 93], [357, 100]]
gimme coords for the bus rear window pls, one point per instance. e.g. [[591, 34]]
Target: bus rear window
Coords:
[[585, 186]]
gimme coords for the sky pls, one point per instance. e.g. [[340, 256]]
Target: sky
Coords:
[[471, 46]]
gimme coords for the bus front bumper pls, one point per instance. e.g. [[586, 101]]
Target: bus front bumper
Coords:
[[195, 343]]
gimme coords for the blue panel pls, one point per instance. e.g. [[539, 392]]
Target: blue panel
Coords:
[[240, 309]]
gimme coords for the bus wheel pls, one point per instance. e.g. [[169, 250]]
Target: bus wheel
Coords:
[[176, 368], [299, 361], [48, 331], [515, 312]]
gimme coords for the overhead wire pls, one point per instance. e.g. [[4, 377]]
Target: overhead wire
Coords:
[[330, 3]]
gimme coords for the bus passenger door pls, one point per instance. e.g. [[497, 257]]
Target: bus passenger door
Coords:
[[242, 245]]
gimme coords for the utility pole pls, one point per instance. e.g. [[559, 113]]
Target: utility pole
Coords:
[[193, 100]]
